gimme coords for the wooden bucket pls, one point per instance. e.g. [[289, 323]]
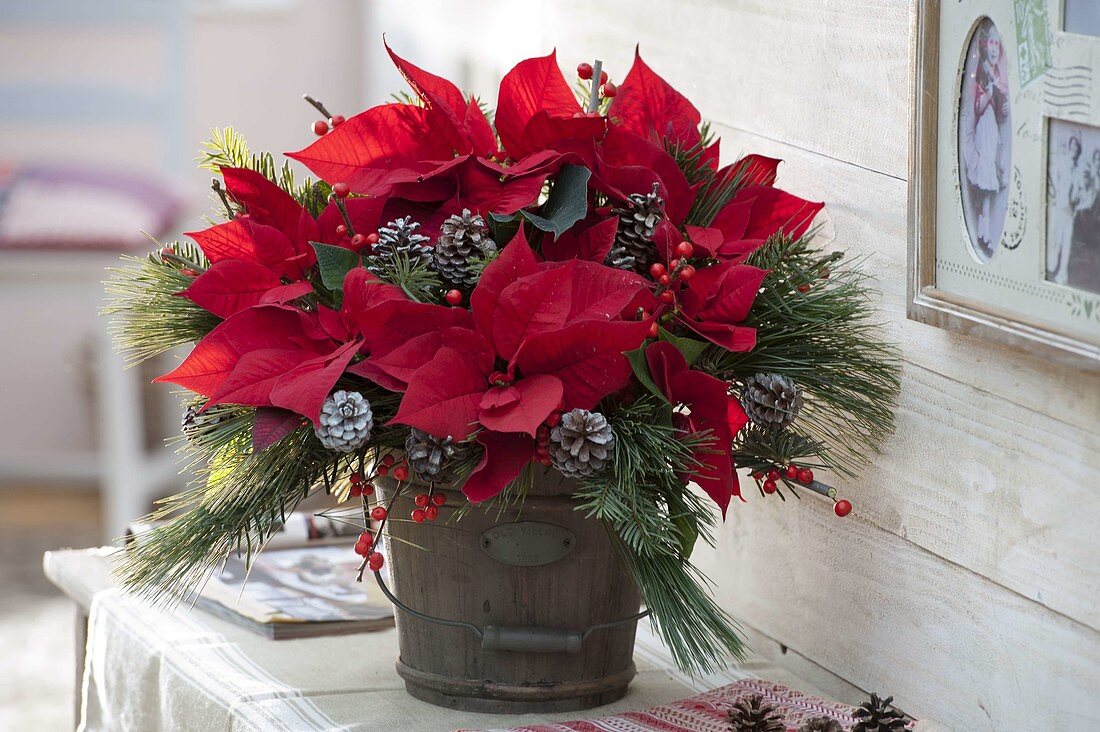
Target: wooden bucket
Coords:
[[527, 588]]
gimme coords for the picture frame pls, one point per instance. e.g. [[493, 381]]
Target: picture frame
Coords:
[[1002, 201]]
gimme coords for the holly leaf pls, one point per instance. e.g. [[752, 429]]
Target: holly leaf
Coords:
[[691, 348], [640, 366], [568, 201], [334, 264], [270, 425], [689, 534]]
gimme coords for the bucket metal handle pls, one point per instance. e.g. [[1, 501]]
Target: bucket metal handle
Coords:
[[522, 639]]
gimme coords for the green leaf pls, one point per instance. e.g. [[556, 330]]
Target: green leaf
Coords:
[[568, 201], [689, 534], [691, 348], [334, 263], [641, 370]]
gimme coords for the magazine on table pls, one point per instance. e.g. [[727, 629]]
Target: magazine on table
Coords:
[[302, 585]]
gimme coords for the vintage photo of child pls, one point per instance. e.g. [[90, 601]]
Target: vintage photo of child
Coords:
[[1073, 206], [985, 147]]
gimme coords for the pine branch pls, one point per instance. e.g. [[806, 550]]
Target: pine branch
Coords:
[[827, 339], [242, 499], [415, 276], [227, 148], [149, 317], [655, 520]]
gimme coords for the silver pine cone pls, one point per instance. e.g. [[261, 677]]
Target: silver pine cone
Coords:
[[433, 458], [398, 237], [771, 400], [633, 247], [463, 240], [581, 444], [821, 724], [346, 421]]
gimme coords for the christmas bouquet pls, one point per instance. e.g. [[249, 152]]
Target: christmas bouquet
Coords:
[[573, 283]]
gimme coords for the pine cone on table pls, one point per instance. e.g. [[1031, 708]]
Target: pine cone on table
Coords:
[[433, 458], [581, 444], [398, 237], [877, 715], [462, 241], [633, 247], [753, 714], [821, 724], [771, 400], [346, 421]]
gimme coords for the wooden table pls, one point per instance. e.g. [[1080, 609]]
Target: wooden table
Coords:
[[345, 683]]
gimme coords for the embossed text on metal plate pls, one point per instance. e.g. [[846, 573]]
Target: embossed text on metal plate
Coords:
[[527, 543]]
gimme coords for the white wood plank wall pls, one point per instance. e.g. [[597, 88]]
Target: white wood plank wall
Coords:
[[967, 581]]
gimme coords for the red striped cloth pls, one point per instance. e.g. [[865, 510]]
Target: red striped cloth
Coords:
[[705, 712]]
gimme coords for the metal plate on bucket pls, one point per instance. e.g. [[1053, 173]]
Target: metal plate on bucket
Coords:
[[527, 543]]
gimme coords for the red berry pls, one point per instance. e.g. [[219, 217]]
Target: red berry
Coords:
[[367, 489], [388, 460], [770, 486], [609, 90], [773, 475], [375, 561], [355, 491], [654, 329], [656, 270], [584, 71], [667, 297], [554, 419], [439, 499], [805, 476], [674, 265], [603, 77], [384, 470], [320, 127], [378, 513], [401, 472], [358, 240], [432, 513], [687, 272], [454, 297], [542, 433], [419, 515], [355, 478], [421, 499], [166, 252], [803, 288], [341, 189], [337, 120], [341, 230], [664, 280], [372, 238], [361, 549], [685, 249], [188, 272], [792, 471], [366, 538], [757, 475], [842, 508]]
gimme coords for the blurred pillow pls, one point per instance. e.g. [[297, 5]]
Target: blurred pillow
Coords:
[[71, 208]]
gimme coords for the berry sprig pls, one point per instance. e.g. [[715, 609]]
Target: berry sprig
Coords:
[[668, 278], [768, 483], [321, 126]]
